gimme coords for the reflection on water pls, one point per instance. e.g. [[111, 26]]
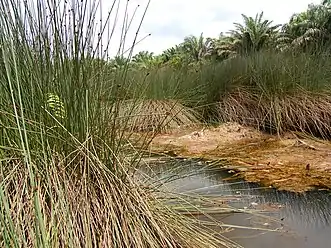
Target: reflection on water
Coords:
[[305, 217]]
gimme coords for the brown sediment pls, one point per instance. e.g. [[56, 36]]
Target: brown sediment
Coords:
[[287, 162]]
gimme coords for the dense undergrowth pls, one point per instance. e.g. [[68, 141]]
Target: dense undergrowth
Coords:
[[275, 92]]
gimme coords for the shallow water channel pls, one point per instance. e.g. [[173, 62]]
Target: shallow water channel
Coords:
[[298, 220]]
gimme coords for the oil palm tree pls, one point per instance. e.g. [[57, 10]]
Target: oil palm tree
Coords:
[[143, 59], [225, 47], [197, 48], [172, 53], [326, 2], [118, 61], [308, 29], [251, 36]]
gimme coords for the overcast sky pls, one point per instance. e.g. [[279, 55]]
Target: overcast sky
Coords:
[[169, 21]]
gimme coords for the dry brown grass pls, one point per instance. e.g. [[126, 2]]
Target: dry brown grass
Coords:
[[94, 208], [156, 115], [303, 111]]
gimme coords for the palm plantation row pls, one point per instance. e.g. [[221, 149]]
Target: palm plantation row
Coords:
[[305, 31]]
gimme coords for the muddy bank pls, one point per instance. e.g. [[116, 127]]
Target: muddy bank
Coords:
[[289, 162]]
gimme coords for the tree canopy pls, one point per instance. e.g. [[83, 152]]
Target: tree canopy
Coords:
[[308, 31]]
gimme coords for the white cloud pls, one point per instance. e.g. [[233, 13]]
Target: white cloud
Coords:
[[169, 21]]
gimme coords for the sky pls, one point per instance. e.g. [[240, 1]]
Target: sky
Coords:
[[169, 21]]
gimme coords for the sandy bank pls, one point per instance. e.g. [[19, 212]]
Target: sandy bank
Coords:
[[290, 162]]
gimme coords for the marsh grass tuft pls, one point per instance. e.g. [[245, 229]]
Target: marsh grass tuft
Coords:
[[65, 177], [281, 92], [156, 115], [304, 112]]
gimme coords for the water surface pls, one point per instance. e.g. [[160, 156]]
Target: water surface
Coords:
[[303, 220]]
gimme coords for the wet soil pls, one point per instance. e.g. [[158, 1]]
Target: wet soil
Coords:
[[292, 162]]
